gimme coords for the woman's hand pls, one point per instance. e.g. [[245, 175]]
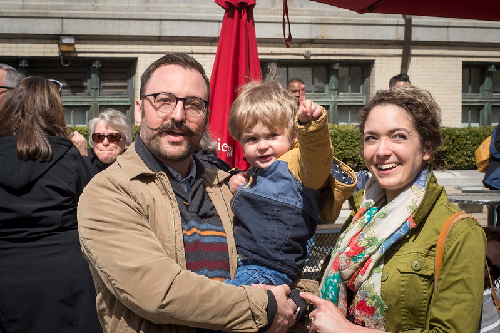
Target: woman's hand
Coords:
[[79, 142], [327, 318], [237, 180], [308, 110]]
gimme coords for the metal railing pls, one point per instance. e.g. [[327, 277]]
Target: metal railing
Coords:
[[318, 248], [321, 245]]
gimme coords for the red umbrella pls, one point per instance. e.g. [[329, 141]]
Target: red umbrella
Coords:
[[488, 10], [236, 63]]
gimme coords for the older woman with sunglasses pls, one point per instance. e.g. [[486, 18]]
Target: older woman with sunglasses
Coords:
[[110, 134]]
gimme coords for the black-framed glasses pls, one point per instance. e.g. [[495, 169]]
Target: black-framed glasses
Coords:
[[6, 89], [57, 83], [112, 137], [165, 103]]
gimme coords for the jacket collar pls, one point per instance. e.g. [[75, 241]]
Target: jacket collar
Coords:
[[432, 191], [138, 160]]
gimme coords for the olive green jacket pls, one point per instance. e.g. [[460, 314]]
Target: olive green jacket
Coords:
[[408, 274]]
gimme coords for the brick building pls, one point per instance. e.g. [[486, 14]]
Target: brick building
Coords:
[[342, 56]]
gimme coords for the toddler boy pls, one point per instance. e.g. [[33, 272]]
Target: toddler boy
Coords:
[[276, 202]]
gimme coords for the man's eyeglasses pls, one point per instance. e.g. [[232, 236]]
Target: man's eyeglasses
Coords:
[[165, 102], [6, 89], [112, 137], [57, 83]]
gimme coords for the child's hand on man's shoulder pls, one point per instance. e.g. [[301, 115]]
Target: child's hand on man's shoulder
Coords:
[[237, 180]]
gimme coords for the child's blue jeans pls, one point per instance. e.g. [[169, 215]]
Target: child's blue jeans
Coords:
[[250, 272]]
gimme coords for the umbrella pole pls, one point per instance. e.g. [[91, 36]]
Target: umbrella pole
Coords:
[[406, 55]]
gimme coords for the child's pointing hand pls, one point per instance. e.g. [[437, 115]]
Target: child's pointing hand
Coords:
[[308, 110]]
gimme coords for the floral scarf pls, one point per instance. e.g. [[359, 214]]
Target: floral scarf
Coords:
[[357, 259]]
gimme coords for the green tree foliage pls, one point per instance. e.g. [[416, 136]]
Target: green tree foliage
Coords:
[[346, 145], [459, 145]]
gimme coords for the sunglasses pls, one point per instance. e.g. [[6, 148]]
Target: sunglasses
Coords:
[[57, 83], [112, 138]]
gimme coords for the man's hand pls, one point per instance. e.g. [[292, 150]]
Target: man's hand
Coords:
[[284, 317], [308, 110], [79, 142], [237, 180]]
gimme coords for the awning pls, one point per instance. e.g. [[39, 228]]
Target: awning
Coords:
[[488, 10]]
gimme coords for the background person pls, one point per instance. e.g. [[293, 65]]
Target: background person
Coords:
[[9, 79], [492, 177], [110, 134], [45, 282], [381, 269], [156, 227], [293, 88], [490, 315], [399, 81]]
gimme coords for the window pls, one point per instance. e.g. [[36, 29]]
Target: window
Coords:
[[342, 87], [90, 85], [480, 94]]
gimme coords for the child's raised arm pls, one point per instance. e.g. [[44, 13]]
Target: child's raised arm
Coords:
[[315, 157]]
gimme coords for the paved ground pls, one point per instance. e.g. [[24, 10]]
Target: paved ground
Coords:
[[454, 181]]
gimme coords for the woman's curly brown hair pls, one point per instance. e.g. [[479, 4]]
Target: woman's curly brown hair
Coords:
[[420, 106]]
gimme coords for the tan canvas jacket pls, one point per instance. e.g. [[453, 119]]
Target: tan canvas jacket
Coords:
[[131, 234]]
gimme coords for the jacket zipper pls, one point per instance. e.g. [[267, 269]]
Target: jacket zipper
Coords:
[[173, 218]]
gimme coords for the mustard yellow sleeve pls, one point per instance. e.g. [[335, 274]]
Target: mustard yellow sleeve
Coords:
[[312, 160]]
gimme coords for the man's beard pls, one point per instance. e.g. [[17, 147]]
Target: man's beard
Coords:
[[153, 141]]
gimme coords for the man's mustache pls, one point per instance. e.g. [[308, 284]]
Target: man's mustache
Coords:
[[170, 126]]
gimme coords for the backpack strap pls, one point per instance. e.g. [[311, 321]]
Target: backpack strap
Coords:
[[443, 236], [493, 291]]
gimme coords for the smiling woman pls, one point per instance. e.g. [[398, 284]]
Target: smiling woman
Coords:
[[382, 268], [109, 136], [392, 150]]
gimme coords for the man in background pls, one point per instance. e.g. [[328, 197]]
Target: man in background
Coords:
[[399, 81], [293, 87]]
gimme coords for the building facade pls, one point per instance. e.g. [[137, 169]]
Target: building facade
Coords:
[[343, 57]]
